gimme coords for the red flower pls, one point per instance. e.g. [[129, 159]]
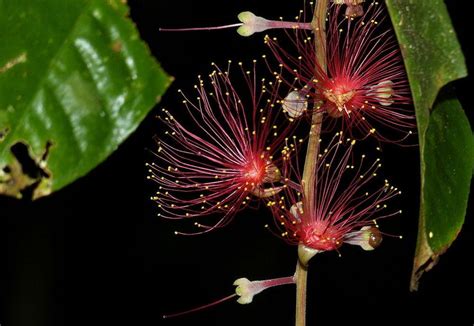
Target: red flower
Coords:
[[227, 157], [365, 84], [342, 210]]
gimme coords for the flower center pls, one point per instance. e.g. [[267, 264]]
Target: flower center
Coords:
[[321, 237], [340, 92], [339, 98], [254, 172]]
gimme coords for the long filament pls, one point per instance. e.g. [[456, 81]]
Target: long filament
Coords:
[[177, 314], [211, 28]]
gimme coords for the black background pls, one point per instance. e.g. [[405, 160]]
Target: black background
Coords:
[[99, 239]]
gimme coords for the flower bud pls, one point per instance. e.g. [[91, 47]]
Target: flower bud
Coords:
[[295, 104], [383, 91], [297, 210], [368, 238]]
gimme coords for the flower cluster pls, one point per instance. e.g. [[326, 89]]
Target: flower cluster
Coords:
[[229, 154], [364, 83], [237, 148], [234, 151], [343, 208]]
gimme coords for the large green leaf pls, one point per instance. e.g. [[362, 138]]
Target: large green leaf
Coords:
[[75, 81], [433, 58]]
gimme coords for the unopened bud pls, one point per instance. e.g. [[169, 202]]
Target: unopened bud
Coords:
[[383, 91], [368, 238], [297, 210], [295, 104]]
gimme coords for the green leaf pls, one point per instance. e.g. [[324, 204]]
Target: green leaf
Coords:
[[433, 58], [75, 81], [449, 163]]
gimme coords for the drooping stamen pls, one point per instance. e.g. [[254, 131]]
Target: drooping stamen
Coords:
[[245, 290], [200, 307], [190, 29]]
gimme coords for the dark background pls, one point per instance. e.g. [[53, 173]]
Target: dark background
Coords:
[[99, 239]]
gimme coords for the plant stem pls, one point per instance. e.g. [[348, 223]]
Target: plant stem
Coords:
[[301, 277], [309, 174], [310, 163]]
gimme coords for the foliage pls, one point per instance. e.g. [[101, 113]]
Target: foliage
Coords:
[[75, 81], [433, 58]]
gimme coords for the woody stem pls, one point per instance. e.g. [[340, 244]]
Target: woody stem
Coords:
[[309, 174], [301, 276]]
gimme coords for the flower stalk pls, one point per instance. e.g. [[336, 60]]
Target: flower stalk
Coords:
[[301, 277], [309, 173]]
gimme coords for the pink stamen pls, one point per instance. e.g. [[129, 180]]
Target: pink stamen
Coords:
[[229, 157], [336, 211], [177, 314]]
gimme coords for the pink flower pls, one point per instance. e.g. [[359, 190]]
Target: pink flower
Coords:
[[227, 155], [343, 209], [365, 84]]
